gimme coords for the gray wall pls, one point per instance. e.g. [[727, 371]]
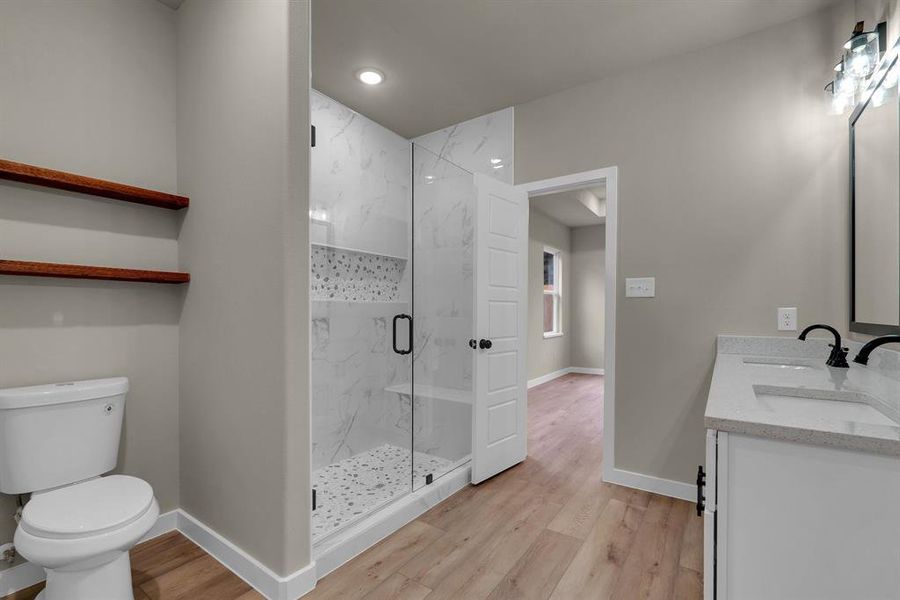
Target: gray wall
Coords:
[[732, 193], [89, 87], [588, 296], [243, 158], [551, 354]]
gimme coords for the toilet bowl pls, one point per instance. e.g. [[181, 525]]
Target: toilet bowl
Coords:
[[56, 442], [81, 535]]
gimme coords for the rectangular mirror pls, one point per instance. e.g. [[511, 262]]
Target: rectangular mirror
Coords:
[[875, 206]]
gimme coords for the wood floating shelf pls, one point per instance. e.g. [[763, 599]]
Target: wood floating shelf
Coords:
[[40, 269], [14, 171]]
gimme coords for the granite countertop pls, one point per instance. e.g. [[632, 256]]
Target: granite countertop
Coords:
[[747, 370]]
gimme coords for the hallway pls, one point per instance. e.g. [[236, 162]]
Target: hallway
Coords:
[[548, 528]]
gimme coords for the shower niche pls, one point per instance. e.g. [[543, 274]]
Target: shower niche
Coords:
[[393, 310]]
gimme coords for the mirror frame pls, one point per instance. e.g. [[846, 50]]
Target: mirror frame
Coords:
[[888, 62]]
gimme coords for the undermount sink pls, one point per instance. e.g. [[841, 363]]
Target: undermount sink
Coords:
[[801, 402], [780, 363]]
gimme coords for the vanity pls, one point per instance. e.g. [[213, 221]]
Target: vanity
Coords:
[[802, 476]]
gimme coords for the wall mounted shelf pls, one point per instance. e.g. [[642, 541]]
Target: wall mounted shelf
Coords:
[[40, 269], [61, 180]]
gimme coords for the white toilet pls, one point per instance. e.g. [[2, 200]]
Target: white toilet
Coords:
[[55, 442]]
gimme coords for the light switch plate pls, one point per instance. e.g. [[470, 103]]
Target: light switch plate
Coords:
[[640, 287], [787, 319]]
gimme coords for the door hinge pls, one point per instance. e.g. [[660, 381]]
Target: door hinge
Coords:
[[314, 505], [312, 136]]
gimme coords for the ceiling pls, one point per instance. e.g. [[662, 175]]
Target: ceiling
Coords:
[[172, 3], [451, 60], [573, 208]]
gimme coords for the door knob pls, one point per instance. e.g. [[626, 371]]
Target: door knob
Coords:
[[485, 344]]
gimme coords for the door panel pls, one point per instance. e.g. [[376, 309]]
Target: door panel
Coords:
[[500, 415], [444, 316]]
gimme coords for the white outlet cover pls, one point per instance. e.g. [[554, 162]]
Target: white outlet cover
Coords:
[[640, 287], [787, 319]]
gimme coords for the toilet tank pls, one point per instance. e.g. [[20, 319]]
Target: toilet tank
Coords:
[[57, 434]]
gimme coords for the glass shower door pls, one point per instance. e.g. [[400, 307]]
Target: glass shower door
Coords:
[[444, 309], [360, 284]]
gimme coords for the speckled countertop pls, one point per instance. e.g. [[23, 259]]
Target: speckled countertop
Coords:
[[744, 368]]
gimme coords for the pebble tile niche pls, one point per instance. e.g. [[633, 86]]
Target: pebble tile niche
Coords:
[[338, 274]]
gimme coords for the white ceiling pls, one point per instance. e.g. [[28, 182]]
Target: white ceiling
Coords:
[[451, 60], [571, 208]]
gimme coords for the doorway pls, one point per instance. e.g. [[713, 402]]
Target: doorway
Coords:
[[570, 216]]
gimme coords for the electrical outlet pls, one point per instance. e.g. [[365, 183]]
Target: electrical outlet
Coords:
[[787, 319], [640, 287]]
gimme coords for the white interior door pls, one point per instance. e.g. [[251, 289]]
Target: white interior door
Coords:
[[500, 432]]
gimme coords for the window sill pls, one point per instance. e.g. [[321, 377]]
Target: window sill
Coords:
[[554, 334]]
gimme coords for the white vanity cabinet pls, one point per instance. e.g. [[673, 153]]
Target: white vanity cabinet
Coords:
[[789, 520]]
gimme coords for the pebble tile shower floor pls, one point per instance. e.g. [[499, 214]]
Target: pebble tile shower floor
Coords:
[[352, 488]]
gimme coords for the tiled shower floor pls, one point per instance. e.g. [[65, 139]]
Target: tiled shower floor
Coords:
[[348, 490]]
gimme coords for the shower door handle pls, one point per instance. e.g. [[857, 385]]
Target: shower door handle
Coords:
[[410, 341]]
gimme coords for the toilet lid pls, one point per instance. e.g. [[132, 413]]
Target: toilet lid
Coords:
[[88, 508]]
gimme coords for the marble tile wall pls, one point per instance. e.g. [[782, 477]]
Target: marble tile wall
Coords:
[[360, 228], [360, 192], [352, 364], [480, 145]]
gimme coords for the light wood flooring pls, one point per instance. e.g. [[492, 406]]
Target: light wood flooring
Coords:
[[548, 528]]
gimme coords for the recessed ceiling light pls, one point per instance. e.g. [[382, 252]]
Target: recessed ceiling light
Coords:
[[370, 76], [496, 161], [498, 166]]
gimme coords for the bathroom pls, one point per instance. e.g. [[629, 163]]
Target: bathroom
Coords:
[[257, 390]]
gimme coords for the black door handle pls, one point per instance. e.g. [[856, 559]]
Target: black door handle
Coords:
[[485, 344], [473, 343], [701, 499], [410, 342]]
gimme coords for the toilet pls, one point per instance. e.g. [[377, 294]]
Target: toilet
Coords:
[[56, 442]]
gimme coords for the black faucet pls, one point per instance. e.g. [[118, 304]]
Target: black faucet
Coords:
[[863, 356], [838, 356]]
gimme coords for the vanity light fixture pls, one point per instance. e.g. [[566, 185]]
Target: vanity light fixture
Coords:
[[370, 76], [842, 89], [860, 59], [862, 52]]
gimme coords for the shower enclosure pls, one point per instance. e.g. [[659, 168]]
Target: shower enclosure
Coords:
[[392, 295]]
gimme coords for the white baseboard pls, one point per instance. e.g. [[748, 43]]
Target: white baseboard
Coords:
[[256, 574], [555, 374], [648, 483], [20, 577], [587, 370], [545, 378]]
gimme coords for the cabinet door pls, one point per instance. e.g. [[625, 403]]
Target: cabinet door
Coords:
[[801, 521]]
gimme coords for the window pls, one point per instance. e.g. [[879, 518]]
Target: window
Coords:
[[552, 293]]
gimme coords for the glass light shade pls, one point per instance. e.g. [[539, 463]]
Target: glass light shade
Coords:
[[861, 54]]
